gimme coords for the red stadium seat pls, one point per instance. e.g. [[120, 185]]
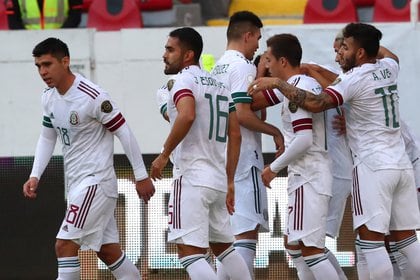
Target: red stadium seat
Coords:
[[364, 3], [329, 11], [391, 10], [109, 15], [4, 24], [155, 5]]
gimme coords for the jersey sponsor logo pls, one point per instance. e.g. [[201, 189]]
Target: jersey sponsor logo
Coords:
[[106, 107], [170, 84], [74, 118], [293, 107]]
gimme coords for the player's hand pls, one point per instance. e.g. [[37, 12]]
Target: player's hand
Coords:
[[267, 176], [262, 84], [339, 124], [279, 143], [157, 166], [262, 69], [145, 189], [230, 199], [30, 187]]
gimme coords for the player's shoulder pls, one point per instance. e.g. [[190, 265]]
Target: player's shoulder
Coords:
[[88, 89]]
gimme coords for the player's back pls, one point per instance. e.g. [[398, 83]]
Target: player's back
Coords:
[[201, 154], [373, 124], [237, 72]]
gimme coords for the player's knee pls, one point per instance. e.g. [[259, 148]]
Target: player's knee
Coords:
[[65, 248]]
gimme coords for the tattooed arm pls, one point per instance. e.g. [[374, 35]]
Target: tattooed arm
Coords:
[[304, 99]]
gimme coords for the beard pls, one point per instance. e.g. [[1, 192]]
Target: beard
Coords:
[[348, 63], [171, 69]]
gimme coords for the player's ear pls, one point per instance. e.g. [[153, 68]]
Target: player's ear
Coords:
[[189, 55], [65, 61], [360, 53]]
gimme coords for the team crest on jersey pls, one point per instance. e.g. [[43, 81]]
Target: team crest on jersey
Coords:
[[106, 106], [336, 81], [74, 118], [293, 107], [170, 84]]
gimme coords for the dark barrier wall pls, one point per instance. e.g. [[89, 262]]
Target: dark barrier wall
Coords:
[[28, 230]]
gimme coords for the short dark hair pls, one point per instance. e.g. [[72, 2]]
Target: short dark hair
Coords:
[[242, 22], [190, 39], [365, 35], [53, 46], [286, 45]]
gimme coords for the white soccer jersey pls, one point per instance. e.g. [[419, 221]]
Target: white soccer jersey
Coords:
[[338, 148], [237, 72], [412, 147], [83, 119], [162, 96], [201, 154], [315, 162], [373, 127]]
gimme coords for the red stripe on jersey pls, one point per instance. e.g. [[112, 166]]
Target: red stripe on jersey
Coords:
[[176, 215], [88, 90], [271, 97], [337, 97], [84, 209], [182, 93], [115, 123], [298, 215], [357, 202], [302, 124]]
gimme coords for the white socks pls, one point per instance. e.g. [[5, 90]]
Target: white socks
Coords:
[[124, 269], [198, 268], [234, 265], [303, 271], [247, 249], [68, 268], [377, 259], [410, 248], [333, 260], [321, 267]]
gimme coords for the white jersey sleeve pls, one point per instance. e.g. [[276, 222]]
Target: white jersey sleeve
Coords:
[[162, 95]]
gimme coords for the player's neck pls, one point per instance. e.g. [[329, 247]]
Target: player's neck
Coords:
[[236, 46], [66, 84], [289, 72]]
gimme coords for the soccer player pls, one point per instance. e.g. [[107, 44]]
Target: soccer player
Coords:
[[384, 194], [306, 156], [85, 119], [236, 70], [204, 130]]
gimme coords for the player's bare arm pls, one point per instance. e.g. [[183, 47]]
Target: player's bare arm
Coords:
[[384, 52], [323, 76], [247, 118], [233, 151], [259, 101], [304, 99], [182, 124]]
